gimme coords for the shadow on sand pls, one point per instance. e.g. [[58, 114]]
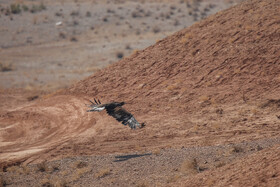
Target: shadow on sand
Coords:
[[127, 157]]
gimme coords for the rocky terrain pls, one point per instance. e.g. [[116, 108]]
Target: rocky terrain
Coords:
[[209, 95]]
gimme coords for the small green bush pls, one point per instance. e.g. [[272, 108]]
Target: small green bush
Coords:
[[38, 8], [24, 8], [15, 8]]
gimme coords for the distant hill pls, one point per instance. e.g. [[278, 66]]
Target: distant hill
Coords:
[[228, 57]]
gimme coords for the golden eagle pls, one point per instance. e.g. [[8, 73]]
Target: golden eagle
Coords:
[[115, 109]]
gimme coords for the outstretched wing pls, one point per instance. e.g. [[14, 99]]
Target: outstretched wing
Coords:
[[123, 116]]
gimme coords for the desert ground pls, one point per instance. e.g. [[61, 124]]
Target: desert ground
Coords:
[[37, 54], [204, 76]]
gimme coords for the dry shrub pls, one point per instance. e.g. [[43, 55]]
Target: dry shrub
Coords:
[[219, 111], [19, 169], [78, 174], [74, 13], [189, 167], [46, 182], [135, 52], [103, 172], [26, 170], [259, 148], [32, 98], [156, 152], [15, 8], [80, 164], [5, 67], [42, 166], [12, 169], [24, 7], [236, 149], [62, 35], [38, 8], [73, 39], [185, 38], [55, 167]]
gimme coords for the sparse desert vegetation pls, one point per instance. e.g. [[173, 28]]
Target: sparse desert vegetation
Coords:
[[103, 172], [6, 67], [110, 169], [94, 24], [17, 8], [208, 93]]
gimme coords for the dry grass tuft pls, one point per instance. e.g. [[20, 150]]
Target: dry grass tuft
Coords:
[[103, 172], [80, 172], [156, 152], [25, 169], [19, 169], [186, 38], [12, 169], [236, 149], [37, 8], [46, 182], [190, 167], [42, 166], [80, 164], [55, 168]]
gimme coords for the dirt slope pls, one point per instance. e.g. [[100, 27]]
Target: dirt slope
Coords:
[[233, 52], [260, 169], [214, 83]]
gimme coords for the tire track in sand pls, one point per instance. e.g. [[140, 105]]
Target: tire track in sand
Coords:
[[36, 128]]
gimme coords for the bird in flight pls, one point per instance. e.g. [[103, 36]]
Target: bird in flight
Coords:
[[115, 109]]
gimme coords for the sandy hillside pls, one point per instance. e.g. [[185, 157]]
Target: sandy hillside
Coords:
[[213, 87], [48, 45]]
